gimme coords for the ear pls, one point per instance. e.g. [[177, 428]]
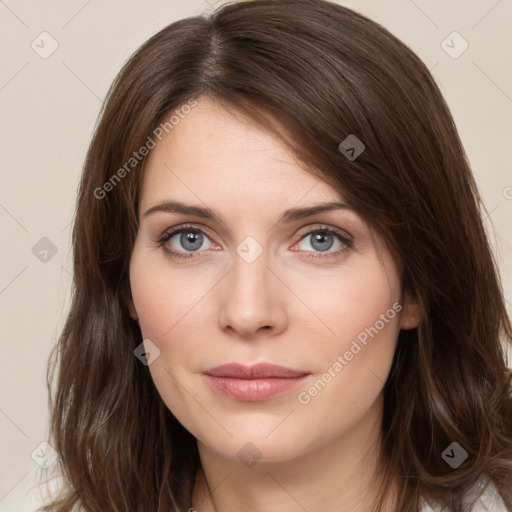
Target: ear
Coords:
[[132, 310], [412, 312], [126, 299]]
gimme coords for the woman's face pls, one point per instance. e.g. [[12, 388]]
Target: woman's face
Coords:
[[254, 280]]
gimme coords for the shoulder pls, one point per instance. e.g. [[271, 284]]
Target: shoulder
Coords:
[[488, 501]]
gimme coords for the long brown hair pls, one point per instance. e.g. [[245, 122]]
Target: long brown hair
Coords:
[[312, 73]]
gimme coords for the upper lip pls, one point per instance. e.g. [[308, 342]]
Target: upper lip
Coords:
[[255, 371]]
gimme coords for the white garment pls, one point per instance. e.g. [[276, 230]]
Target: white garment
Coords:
[[490, 501]]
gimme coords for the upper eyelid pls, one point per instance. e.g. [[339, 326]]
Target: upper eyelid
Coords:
[[289, 218], [177, 229]]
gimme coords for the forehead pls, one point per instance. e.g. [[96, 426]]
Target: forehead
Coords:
[[212, 154]]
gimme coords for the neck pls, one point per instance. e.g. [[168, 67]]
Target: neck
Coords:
[[339, 475]]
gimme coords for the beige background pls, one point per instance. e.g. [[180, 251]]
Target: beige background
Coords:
[[48, 111]]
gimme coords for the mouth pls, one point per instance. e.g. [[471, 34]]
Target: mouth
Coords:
[[253, 383]]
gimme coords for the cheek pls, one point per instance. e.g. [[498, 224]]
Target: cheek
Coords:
[[164, 302], [162, 297], [362, 305], [364, 312], [170, 304], [353, 362]]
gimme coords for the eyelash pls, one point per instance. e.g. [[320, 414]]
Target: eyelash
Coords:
[[340, 235]]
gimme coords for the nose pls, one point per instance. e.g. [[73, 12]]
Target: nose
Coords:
[[252, 299]]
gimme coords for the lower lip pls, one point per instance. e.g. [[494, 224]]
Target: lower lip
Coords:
[[253, 390]]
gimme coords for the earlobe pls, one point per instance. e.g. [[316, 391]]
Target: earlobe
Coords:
[[412, 312], [126, 299], [132, 310]]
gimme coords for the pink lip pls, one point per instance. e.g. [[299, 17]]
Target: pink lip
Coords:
[[253, 383]]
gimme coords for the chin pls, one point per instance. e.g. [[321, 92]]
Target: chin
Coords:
[[261, 437], [250, 448]]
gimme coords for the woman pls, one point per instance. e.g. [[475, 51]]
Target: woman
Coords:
[[284, 296]]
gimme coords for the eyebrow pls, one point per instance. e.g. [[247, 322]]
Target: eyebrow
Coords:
[[292, 214]]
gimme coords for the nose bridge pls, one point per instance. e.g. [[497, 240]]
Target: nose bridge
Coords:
[[250, 300], [249, 278]]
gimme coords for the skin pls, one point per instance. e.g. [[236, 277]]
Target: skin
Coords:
[[285, 307]]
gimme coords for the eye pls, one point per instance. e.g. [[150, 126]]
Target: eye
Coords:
[[187, 239], [322, 240]]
